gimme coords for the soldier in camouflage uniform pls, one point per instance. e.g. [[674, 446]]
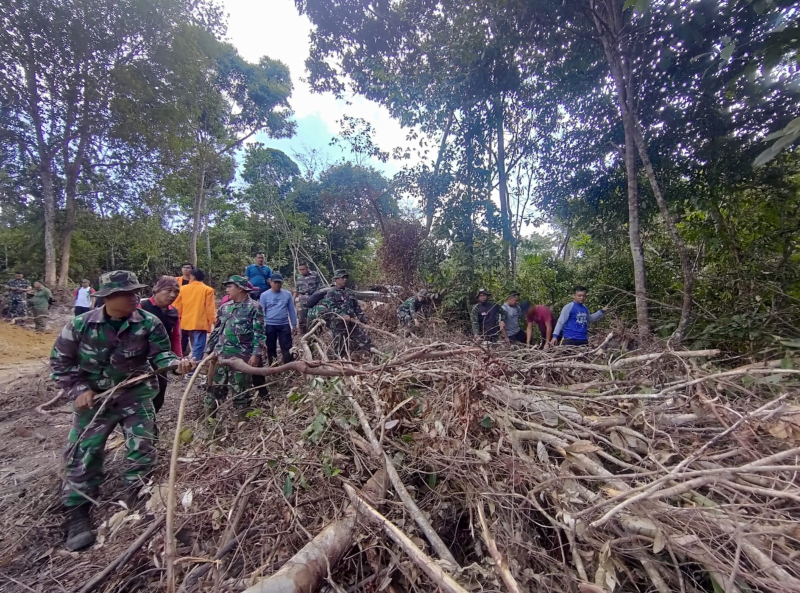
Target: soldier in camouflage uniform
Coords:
[[17, 306], [306, 283], [487, 318], [337, 308], [411, 310], [238, 333], [95, 352]]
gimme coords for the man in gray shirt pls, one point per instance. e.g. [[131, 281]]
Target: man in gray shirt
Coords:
[[512, 332]]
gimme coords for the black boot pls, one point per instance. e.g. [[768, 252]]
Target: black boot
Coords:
[[79, 536]]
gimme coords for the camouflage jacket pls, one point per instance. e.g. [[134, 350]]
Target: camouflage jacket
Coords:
[[238, 331], [341, 301], [410, 308], [307, 285], [91, 354], [15, 286], [486, 318]]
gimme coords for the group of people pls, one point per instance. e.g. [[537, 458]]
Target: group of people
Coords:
[[491, 321], [116, 335], [20, 292]]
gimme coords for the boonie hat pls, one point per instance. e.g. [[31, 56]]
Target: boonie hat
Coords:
[[241, 282], [118, 281]]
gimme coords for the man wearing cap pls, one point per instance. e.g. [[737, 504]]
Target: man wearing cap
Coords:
[[510, 328], [238, 333], [487, 317], [339, 308], [95, 352], [279, 319], [306, 283], [17, 306], [411, 310]]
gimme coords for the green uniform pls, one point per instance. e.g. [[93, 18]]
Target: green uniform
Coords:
[[238, 333], [347, 336], [96, 352], [410, 309], [305, 287], [41, 305], [17, 308]]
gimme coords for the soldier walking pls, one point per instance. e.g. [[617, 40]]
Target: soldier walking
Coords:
[[339, 308], [40, 303], [19, 287], [238, 333], [412, 309], [306, 283], [95, 352]]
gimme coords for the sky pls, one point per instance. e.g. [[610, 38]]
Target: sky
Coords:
[[274, 28]]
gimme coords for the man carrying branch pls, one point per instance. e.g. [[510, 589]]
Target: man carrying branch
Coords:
[[95, 352]]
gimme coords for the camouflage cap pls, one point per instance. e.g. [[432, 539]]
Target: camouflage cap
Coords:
[[341, 274], [241, 282], [483, 291], [118, 281]]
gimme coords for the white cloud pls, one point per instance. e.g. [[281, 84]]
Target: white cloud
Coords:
[[275, 29]]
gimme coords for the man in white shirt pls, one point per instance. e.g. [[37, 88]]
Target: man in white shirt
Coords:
[[83, 297]]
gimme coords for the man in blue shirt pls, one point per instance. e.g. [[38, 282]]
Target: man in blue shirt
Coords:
[[279, 319], [572, 328], [258, 274]]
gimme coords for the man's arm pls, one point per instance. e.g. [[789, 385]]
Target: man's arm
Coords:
[[66, 370], [596, 315], [247, 273], [562, 319], [529, 334], [549, 327]]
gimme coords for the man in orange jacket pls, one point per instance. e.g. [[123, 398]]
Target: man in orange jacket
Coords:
[[198, 311]]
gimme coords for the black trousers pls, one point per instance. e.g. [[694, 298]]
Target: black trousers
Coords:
[[158, 400], [187, 352], [81, 310], [279, 334], [520, 337], [572, 342]]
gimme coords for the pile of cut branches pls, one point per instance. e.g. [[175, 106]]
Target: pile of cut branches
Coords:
[[468, 467]]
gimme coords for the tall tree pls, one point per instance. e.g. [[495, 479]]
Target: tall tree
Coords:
[[59, 62]]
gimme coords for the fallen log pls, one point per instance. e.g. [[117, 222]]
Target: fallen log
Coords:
[[304, 571]]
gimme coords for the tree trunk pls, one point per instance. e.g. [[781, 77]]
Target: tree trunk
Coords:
[[609, 28], [430, 209], [197, 214], [49, 203], [505, 210], [70, 209], [683, 252]]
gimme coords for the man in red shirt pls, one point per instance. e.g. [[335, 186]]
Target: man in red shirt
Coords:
[[543, 318]]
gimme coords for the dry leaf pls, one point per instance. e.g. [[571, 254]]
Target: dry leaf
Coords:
[[541, 452], [582, 447], [590, 588], [391, 424], [186, 500]]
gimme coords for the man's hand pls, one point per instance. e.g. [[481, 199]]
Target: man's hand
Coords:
[[548, 345], [255, 360], [606, 309], [84, 400], [554, 342], [185, 365]]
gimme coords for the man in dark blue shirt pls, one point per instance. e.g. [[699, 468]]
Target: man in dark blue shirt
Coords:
[[258, 274], [572, 328]]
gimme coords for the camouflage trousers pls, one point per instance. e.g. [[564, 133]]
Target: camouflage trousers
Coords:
[[17, 306], [404, 317], [349, 337], [227, 379], [40, 318], [302, 318], [87, 440]]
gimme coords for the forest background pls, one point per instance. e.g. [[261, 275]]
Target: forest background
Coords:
[[653, 138]]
